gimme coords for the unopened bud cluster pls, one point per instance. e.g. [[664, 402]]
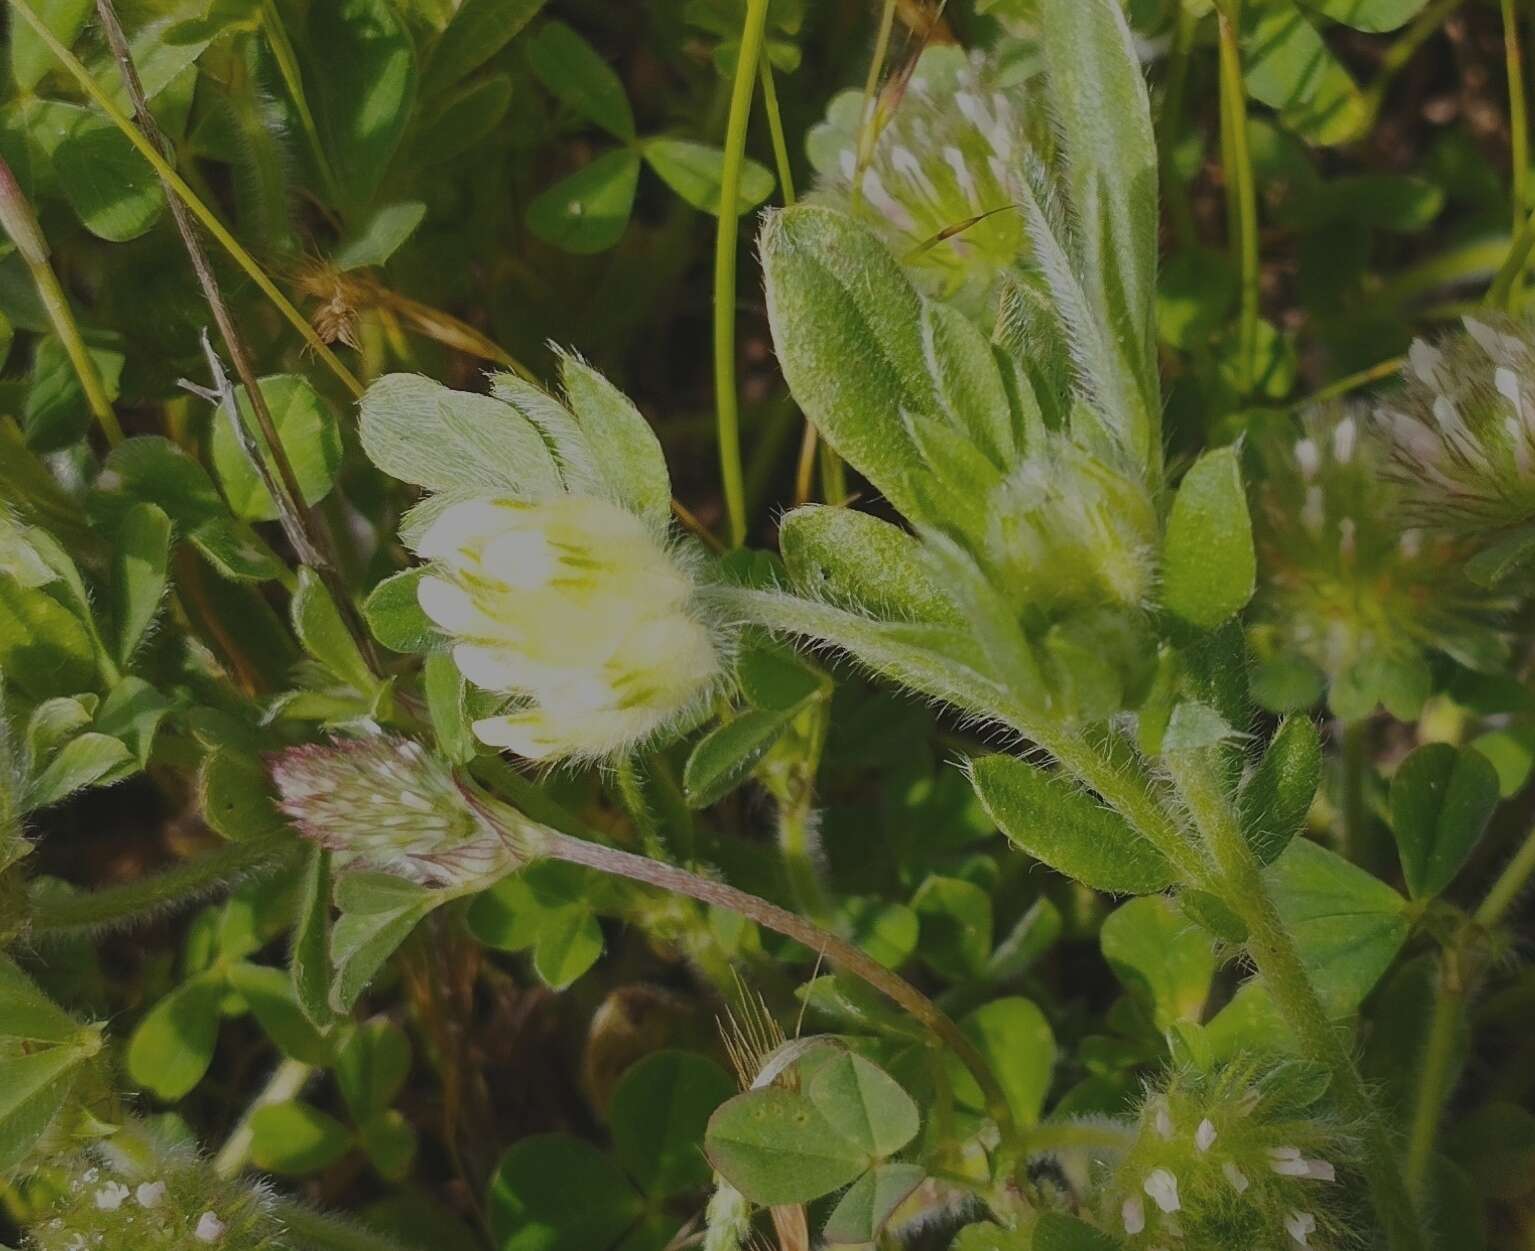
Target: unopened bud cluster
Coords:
[[179, 1204], [1073, 539], [1349, 580], [1226, 1160], [385, 803], [575, 609], [942, 181], [1462, 427]]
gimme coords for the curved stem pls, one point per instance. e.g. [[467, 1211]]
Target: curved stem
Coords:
[[287, 1082], [1242, 195], [726, 402], [868, 130], [179, 188], [55, 914], [1197, 776], [781, 921], [775, 131]]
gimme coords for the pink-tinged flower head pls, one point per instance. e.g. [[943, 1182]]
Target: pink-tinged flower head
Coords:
[[385, 803]]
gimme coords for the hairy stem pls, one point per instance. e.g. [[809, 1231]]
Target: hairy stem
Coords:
[[1242, 195], [1433, 1087], [20, 223], [180, 190], [1513, 879], [775, 131], [770, 916], [1518, 116], [868, 121], [1197, 776], [726, 401], [55, 914]]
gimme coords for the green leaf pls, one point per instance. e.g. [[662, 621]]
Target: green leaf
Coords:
[[56, 413], [380, 237], [394, 614], [1288, 683], [864, 1104], [624, 453], [569, 943], [132, 711], [269, 992], [1195, 292], [419, 431], [31, 58], [860, 563], [587, 211], [956, 926], [1287, 65], [1209, 567], [1099, 102], [1374, 16], [390, 1141], [309, 960], [861, 1213], [294, 1138], [362, 86], [237, 797], [725, 757], [1441, 801], [309, 435], [377, 915], [172, 1047], [371, 1068], [1503, 559], [446, 703], [1057, 823], [695, 170], [774, 1146], [1210, 912], [659, 1113], [847, 327], [81, 762], [33, 1088], [986, 1236], [1347, 924], [27, 1013], [1016, 1039], [112, 189], [772, 676], [479, 30], [318, 624], [466, 119], [1194, 725], [553, 1192], [141, 554], [1276, 798], [577, 75], [1512, 752], [1159, 955], [45, 650]]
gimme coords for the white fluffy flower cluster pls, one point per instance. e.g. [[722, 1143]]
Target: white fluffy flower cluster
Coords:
[[573, 607]]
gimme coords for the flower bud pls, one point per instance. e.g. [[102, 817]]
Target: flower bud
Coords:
[[385, 803], [1227, 1158], [173, 1201], [1348, 581], [1462, 428], [943, 180], [575, 608]]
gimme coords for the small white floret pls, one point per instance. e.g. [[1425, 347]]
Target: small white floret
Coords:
[[209, 1228], [111, 1196], [1300, 1226], [1204, 1136], [150, 1194], [1162, 1188], [1133, 1213], [1235, 1176]]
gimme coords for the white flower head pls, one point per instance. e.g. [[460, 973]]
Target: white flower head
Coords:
[[574, 608], [386, 803], [1161, 1186]]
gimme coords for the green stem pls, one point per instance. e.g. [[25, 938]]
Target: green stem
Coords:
[[1174, 190], [796, 846], [178, 186], [286, 1083], [287, 66], [868, 129], [1197, 775], [834, 950], [1518, 115], [1355, 757], [775, 130], [55, 914], [1513, 879], [726, 401], [1352, 382], [1433, 1086], [1500, 294], [1242, 195], [1397, 56], [20, 223], [1100, 1139], [320, 1231]]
